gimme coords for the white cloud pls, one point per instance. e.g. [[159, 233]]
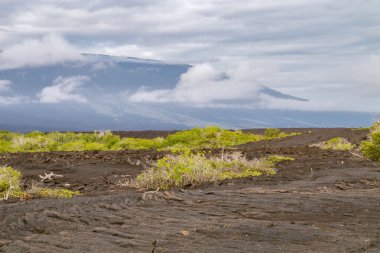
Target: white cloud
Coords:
[[202, 84], [10, 99], [64, 89], [51, 49], [324, 50], [198, 31], [5, 85], [347, 86], [129, 50]]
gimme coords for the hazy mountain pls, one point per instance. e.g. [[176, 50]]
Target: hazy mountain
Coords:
[[93, 94]]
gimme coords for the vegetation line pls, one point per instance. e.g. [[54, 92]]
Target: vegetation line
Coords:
[[196, 138]]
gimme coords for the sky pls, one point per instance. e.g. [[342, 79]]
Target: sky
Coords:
[[327, 51]]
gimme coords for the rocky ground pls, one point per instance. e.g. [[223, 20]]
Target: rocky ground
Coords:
[[324, 201]]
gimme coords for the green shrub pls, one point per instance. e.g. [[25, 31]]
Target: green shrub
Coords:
[[40, 192], [110, 140], [34, 134], [336, 143], [78, 145], [5, 146], [208, 137], [272, 133], [278, 158], [9, 183], [371, 148], [138, 144], [187, 168], [6, 136]]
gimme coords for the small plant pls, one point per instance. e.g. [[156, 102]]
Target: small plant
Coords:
[[272, 133], [188, 168], [371, 148], [336, 143], [275, 133], [40, 192], [9, 183], [278, 158]]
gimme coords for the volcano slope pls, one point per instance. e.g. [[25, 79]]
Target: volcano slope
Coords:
[[323, 201]]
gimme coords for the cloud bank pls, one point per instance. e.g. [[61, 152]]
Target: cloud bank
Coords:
[[64, 89], [198, 31], [203, 84], [49, 50]]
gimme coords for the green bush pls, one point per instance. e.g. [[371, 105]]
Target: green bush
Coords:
[[336, 143], [208, 137], [371, 148], [110, 140], [40, 192], [6, 136], [278, 158], [9, 183], [187, 168], [10, 187], [272, 133], [138, 144]]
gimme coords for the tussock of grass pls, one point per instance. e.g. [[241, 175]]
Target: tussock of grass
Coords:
[[371, 148], [196, 138], [40, 192], [278, 158], [9, 183], [187, 168], [10, 187], [336, 143]]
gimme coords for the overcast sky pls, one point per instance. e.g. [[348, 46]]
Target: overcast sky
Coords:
[[327, 51]]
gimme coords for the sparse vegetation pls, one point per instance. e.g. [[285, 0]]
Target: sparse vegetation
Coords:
[[41, 192], [9, 183], [360, 129], [196, 138], [194, 168], [371, 148], [278, 158], [272, 133], [275, 133], [10, 187], [336, 143], [209, 137]]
